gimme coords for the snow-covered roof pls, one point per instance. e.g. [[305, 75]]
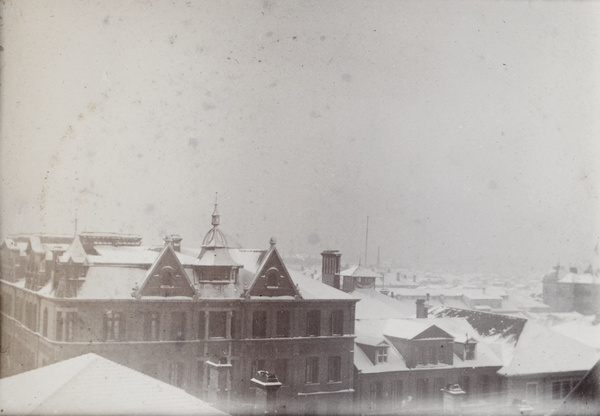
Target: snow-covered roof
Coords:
[[541, 350], [313, 289], [359, 271], [394, 362], [376, 305], [217, 256], [90, 384], [580, 278], [111, 282], [373, 332], [585, 329]]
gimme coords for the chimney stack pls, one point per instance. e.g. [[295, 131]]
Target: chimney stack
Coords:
[[421, 309], [330, 271]]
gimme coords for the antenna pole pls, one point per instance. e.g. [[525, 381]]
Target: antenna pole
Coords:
[[367, 242]]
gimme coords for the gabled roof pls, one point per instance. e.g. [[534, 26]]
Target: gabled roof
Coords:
[[394, 362], [90, 384], [371, 341], [541, 350], [414, 329], [285, 287], [75, 252], [167, 261], [359, 271]]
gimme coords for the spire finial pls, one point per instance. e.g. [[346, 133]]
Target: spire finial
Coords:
[[216, 218], [75, 222]]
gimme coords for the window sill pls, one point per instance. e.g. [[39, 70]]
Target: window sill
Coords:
[[334, 382]]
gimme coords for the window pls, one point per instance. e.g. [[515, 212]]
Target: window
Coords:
[[281, 370], [531, 392], [151, 327], [335, 369], [200, 373], [283, 324], [259, 324], [337, 322], [313, 323], [484, 382], [381, 354], [465, 384], [469, 351], [272, 277], [178, 326], [312, 370], [422, 355], [375, 395], [59, 326], [397, 392], [438, 384], [70, 325], [202, 325], [114, 326], [422, 390], [234, 320], [45, 323], [560, 389], [217, 324], [167, 277], [432, 354], [176, 374], [441, 355]]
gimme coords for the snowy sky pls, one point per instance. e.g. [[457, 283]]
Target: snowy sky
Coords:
[[467, 131]]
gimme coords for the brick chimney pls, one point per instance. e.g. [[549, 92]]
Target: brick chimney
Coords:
[[174, 240], [330, 271], [421, 309]]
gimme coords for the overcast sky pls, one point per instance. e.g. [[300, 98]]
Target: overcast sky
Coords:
[[468, 132]]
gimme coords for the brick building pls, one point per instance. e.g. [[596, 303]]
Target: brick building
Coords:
[[204, 320]]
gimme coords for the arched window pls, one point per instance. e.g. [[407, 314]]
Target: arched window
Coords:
[[167, 276], [273, 277]]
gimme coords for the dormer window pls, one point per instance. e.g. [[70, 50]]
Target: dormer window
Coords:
[[469, 351], [381, 354], [272, 277]]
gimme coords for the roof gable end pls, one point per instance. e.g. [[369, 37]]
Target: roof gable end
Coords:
[[166, 277]]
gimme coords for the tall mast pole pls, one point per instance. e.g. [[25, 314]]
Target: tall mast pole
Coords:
[[367, 241]]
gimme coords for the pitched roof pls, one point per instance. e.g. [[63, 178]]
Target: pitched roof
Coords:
[[74, 252], [359, 271], [541, 350], [90, 384]]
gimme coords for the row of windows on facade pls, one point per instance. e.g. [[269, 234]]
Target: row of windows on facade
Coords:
[[427, 354], [560, 389], [280, 367], [214, 325], [428, 391]]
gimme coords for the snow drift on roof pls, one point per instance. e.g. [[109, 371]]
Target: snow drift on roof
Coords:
[[542, 350], [90, 384]]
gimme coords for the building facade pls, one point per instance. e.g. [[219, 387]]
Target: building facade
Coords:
[[204, 320]]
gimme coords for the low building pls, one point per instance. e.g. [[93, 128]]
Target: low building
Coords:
[[205, 320], [539, 366], [402, 365], [90, 384], [573, 291]]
